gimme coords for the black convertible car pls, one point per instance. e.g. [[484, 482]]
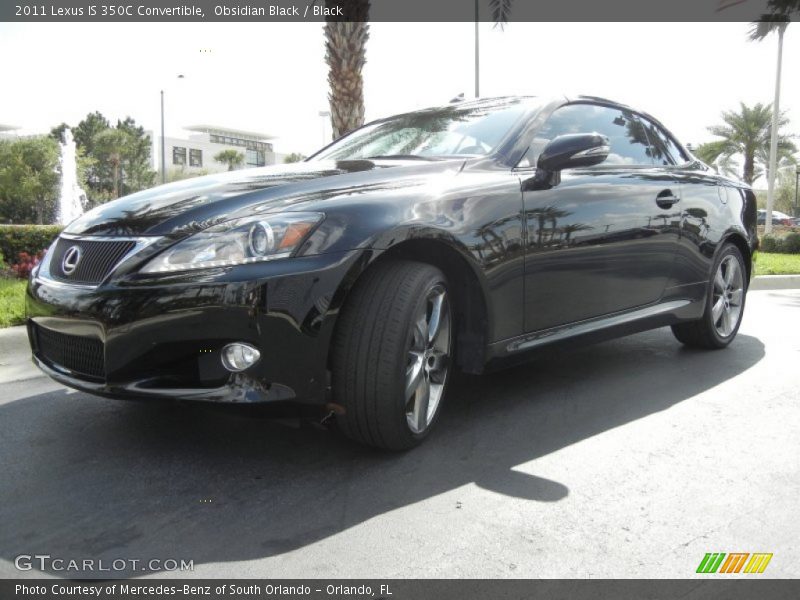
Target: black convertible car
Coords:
[[463, 236]]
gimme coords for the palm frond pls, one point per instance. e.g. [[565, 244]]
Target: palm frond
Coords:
[[767, 24], [501, 10], [745, 134], [727, 166], [711, 151], [777, 17]]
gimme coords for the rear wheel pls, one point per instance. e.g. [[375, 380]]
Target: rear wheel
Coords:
[[391, 355], [724, 305]]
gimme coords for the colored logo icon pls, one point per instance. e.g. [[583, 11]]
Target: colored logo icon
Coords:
[[735, 562]]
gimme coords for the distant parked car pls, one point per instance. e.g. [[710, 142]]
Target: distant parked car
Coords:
[[778, 218]]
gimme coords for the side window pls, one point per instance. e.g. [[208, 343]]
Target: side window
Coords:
[[663, 148], [626, 134]]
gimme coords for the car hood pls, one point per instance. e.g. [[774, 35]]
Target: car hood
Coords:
[[181, 208]]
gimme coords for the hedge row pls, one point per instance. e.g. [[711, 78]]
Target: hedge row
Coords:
[[32, 239], [789, 244]]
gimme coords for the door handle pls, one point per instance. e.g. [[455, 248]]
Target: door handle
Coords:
[[666, 199]]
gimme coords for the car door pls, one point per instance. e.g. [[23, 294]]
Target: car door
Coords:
[[704, 198], [602, 239]]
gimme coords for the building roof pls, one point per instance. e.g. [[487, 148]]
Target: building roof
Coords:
[[239, 133]]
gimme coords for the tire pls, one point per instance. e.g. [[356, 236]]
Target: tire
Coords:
[[725, 299], [383, 345]]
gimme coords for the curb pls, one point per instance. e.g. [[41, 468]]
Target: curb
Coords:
[[775, 282]]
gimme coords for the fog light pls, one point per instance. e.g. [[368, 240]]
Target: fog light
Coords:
[[237, 356]]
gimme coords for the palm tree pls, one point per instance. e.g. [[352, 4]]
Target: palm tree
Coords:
[[345, 54], [568, 230], [544, 215], [746, 134], [230, 157]]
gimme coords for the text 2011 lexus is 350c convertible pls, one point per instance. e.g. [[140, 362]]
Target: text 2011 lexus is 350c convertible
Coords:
[[466, 236]]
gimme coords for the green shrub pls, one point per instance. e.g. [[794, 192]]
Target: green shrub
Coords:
[[769, 244], [791, 243], [788, 244], [12, 302], [32, 239]]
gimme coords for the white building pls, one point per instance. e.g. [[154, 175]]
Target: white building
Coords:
[[195, 154]]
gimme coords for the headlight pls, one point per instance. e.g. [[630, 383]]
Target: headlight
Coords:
[[237, 242]]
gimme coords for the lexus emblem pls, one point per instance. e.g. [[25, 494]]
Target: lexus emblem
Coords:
[[71, 259]]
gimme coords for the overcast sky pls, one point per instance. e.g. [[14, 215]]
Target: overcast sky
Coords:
[[272, 78]]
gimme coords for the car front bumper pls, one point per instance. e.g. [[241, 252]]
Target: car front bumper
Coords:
[[145, 338]]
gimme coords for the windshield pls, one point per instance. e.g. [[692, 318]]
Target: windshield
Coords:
[[473, 129]]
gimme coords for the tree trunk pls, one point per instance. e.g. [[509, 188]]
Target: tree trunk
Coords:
[[345, 53], [749, 167], [116, 179]]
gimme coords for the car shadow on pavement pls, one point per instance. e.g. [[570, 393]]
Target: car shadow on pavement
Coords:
[[84, 477], [785, 299]]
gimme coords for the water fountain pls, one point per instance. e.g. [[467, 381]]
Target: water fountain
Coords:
[[71, 198]]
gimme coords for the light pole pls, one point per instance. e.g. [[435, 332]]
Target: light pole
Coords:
[[773, 142], [163, 142], [163, 150], [796, 185]]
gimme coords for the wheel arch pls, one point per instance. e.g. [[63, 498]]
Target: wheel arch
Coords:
[[738, 240], [468, 295]]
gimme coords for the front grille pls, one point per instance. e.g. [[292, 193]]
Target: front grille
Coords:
[[97, 259], [83, 355]]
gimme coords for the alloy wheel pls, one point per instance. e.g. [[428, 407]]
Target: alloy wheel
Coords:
[[428, 359], [728, 296]]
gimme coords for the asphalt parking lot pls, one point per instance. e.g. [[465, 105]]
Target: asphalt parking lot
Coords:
[[631, 458]]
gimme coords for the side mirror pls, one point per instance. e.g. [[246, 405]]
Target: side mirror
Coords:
[[573, 150]]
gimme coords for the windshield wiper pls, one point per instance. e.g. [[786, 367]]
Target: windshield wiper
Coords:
[[402, 157]]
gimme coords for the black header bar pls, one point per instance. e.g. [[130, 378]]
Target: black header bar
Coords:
[[380, 10]]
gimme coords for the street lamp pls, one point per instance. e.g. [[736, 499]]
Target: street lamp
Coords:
[[163, 147], [773, 139], [796, 184]]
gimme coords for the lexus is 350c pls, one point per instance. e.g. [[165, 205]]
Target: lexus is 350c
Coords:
[[465, 236]]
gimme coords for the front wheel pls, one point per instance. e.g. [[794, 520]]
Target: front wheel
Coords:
[[724, 305], [392, 354]]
